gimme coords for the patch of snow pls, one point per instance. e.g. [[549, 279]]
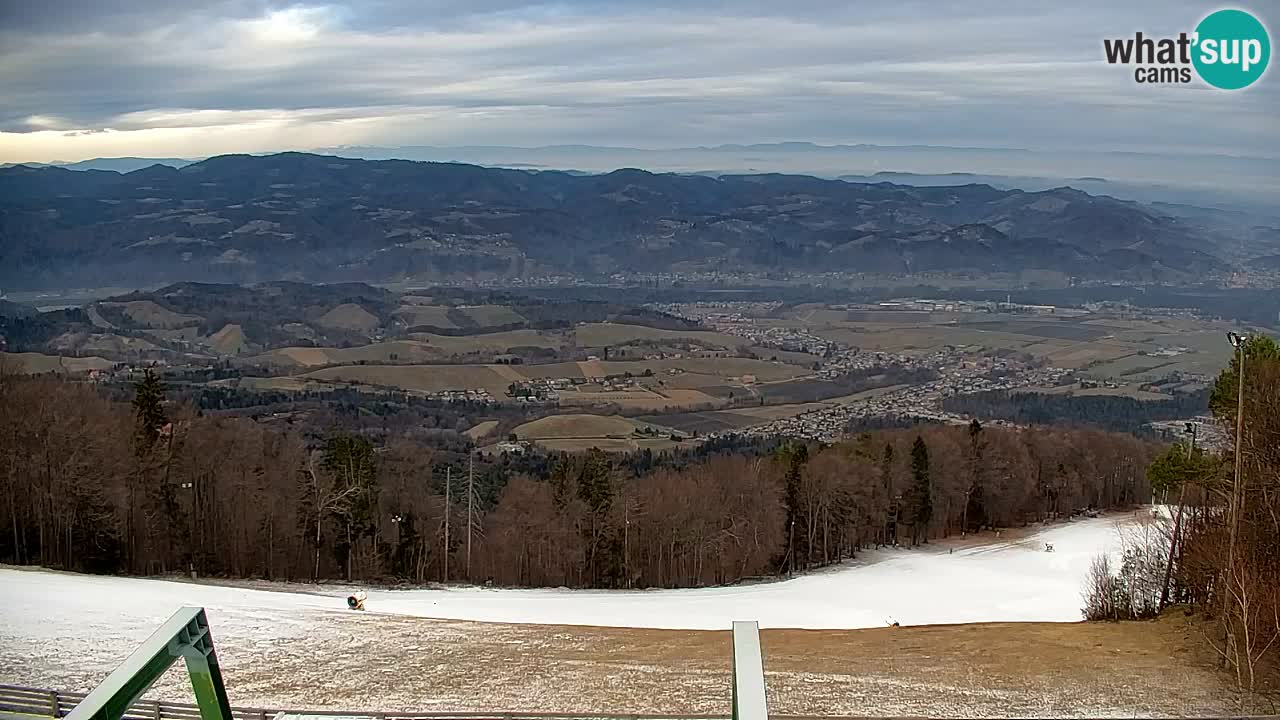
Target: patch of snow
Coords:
[[1006, 581]]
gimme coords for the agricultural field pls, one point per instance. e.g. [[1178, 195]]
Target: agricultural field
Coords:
[[350, 316], [406, 351], [491, 315], [419, 378], [578, 426], [1099, 346], [481, 429], [593, 335], [148, 314], [39, 363], [432, 315], [579, 432], [498, 342]]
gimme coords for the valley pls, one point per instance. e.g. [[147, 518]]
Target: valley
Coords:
[[685, 371]]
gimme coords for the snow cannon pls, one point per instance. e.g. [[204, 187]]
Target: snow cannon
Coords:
[[356, 601]]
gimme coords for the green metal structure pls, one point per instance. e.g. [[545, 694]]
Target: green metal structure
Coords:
[[185, 635]]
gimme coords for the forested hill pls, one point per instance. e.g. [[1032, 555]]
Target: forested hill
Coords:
[[150, 487], [243, 218]]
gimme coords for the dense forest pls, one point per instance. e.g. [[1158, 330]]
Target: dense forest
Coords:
[[152, 486], [1108, 412]]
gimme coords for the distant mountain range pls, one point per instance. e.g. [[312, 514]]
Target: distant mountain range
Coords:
[[244, 218], [120, 164], [1249, 184]]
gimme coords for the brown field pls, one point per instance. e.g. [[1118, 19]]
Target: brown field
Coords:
[[148, 314], [38, 363], [601, 334], [419, 378], [577, 426], [350, 316], [229, 340], [795, 358], [549, 370], [481, 429], [655, 399], [726, 368], [406, 351], [491, 315], [434, 315], [578, 433], [189, 333], [392, 663], [109, 343], [498, 342]]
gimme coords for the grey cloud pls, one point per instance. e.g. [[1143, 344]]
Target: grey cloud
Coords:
[[624, 73]]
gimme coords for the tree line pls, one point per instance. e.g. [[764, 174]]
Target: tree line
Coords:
[[1108, 412], [1219, 551], [154, 486]]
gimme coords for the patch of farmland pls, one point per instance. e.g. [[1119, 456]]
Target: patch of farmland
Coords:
[[601, 334], [499, 342], [492, 315], [727, 368], [148, 313], [37, 363], [419, 378], [425, 315], [1077, 356], [405, 351], [549, 370], [350, 316], [230, 340], [662, 399], [702, 422], [1078, 332], [577, 426], [480, 429]]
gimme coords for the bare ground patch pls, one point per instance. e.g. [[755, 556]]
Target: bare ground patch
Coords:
[[339, 660]]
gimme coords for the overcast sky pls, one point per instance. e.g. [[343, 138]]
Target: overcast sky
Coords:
[[172, 78]]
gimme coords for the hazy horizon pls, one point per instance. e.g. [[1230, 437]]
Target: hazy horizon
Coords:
[[156, 79]]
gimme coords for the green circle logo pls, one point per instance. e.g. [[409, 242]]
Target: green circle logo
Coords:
[[1231, 49]]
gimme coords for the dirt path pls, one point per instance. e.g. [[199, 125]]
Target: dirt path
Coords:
[[353, 661]]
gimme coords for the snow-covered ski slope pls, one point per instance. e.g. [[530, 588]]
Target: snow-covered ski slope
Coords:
[[1000, 581]]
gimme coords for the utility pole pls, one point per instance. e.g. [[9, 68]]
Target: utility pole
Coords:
[[626, 535], [471, 496], [1237, 487], [791, 550], [448, 507], [1177, 522]]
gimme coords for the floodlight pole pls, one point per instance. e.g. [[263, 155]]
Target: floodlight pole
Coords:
[[1237, 487], [184, 635]]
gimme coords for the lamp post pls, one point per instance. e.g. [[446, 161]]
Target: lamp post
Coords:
[[1237, 489]]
